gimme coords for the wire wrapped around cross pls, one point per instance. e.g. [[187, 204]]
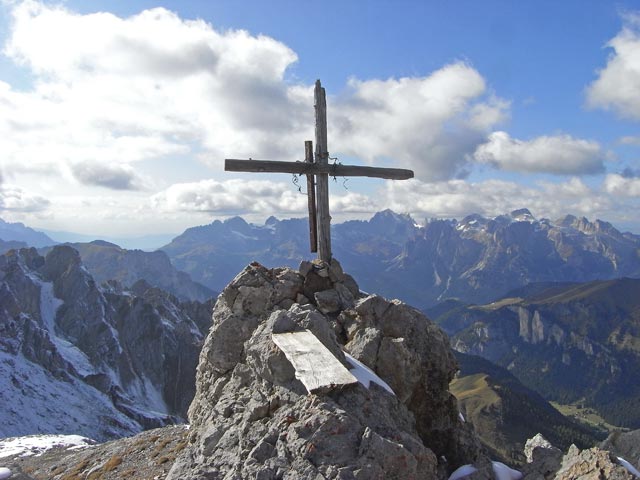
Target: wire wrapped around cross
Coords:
[[295, 178]]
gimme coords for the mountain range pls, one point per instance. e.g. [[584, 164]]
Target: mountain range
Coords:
[[476, 259]]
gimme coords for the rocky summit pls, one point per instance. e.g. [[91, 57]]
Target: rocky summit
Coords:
[[253, 418]]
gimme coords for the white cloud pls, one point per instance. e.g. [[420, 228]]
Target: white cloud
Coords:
[[617, 87], [119, 90], [629, 140], [458, 198], [114, 176], [447, 199], [16, 199], [426, 123], [560, 154], [109, 93], [231, 197], [621, 185], [262, 197]]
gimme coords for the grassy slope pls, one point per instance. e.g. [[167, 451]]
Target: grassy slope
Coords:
[[505, 413]]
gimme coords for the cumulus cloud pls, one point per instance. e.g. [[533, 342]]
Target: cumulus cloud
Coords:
[[114, 176], [626, 186], [230, 197], [120, 90], [263, 197], [617, 87], [15, 199], [110, 89], [559, 155], [458, 198], [427, 123]]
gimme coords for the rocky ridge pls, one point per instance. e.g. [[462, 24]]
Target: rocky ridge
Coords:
[[252, 418], [99, 361], [107, 261], [546, 462]]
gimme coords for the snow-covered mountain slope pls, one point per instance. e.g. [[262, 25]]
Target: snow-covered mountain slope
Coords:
[[76, 358]]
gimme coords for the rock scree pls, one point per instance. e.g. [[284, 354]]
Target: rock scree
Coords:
[[252, 418]]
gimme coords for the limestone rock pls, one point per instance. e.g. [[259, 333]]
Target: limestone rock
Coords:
[[538, 445], [591, 464], [546, 462], [251, 417], [543, 459], [100, 361], [625, 445]]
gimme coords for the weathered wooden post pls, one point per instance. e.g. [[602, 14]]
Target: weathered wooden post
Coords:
[[322, 159], [311, 198]]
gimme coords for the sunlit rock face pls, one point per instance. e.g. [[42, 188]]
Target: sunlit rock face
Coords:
[[253, 418]]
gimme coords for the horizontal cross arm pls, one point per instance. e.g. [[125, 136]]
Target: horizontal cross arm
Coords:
[[272, 166]]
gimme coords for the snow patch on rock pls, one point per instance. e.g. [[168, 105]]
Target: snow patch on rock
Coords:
[[39, 444]]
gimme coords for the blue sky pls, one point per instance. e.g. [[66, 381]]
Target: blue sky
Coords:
[[116, 116]]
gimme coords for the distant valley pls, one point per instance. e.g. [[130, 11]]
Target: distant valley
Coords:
[[505, 413], [572, 343]]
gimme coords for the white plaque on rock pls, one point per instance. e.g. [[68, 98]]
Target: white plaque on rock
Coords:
[[316, 367]]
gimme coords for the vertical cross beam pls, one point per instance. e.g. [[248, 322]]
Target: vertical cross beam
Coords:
[[322, 159], [311, 198]]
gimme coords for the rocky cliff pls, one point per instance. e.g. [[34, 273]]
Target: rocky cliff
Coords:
[[5, 246], [102, 362], [253, 418], [570, 343], [107, 261]]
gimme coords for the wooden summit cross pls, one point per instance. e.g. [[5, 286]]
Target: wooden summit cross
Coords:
[[318, 167]]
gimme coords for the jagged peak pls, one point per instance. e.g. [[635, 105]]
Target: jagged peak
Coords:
[[237, 223], [271, 221], [522, 215], [582, 224], [389, 216], [472, 221], [566, 221], [28, 257]]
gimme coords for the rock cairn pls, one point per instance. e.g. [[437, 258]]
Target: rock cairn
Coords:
[[251, 417]]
